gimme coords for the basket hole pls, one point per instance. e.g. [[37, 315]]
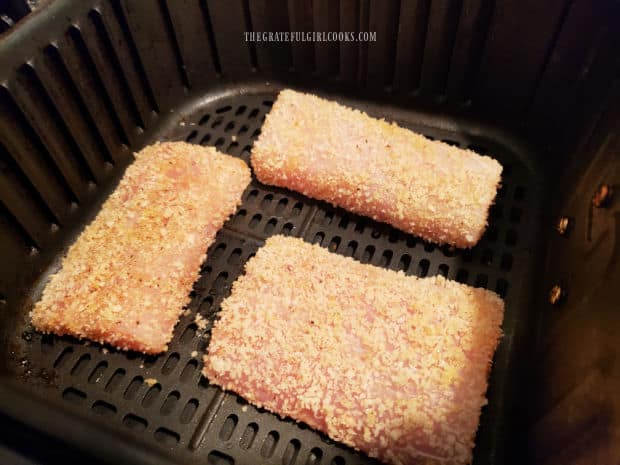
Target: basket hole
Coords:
[[235, 257], [386, 258], [287, 229], [253, 114], [315, 456], [501, 287], [133, 387], [359, 227], [255, 220], [191, 136], [219, 142], [410, 242], [443, 270], [487, 257], [240, 215], [228, 428], [224, 109], [451, 142], [281, 206], [170, 363], [248, 436], [206, 304], [188, 333], [135, 422], [256, 133], [218, 251], [428, 247], [115, 380], [423, 267], [328, 217], [297, 208], [63, 358], [103, 408], [170, 403], [318, 238], [519, 193], [266, 201], [343, 223], [515, 214], [240, 110], [205, 140], [405, 262], [511, 237], [334, 244], [216, 457], [189, 411], [269, 444], [204, 119], [270, 226], [243, 129], [351, 248], [151, 395], [217, 123], [369, 251], [448, 250], [150, 360], [467, 255], [220, 281], [97, 374], [291, 452], [188, 372], [462, 275], [481, 280], [268, 103], [506, 262], [338, 460], [74, 396], [167, 436], [232, 147], [80, 365]]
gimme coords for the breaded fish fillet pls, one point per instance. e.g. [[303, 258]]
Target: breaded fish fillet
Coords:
[[393, 365], [370, 167], [128, 275]]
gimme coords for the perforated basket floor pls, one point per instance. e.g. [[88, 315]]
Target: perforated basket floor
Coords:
[[179, 411]]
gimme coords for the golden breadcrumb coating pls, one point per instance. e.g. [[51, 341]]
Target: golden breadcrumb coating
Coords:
[[390, 364], [128, 275], [377, 169]]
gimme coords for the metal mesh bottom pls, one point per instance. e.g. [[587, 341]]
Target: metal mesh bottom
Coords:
[[199, 423]]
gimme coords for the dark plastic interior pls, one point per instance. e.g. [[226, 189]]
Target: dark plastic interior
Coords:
[[534, 84]]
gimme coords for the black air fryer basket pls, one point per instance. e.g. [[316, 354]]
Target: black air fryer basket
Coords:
[[534, 84]]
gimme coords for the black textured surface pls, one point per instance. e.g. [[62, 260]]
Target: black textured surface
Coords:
[[179, 410], [84, 83]]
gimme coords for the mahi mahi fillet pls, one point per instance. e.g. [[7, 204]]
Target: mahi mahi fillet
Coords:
[[370, 167], [390, 364], [128, 275]]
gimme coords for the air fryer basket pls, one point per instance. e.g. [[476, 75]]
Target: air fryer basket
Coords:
[[86, 83]]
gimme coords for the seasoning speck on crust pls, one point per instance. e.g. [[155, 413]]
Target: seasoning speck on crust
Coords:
[[393, 365], [373, 168], [128, 275]]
